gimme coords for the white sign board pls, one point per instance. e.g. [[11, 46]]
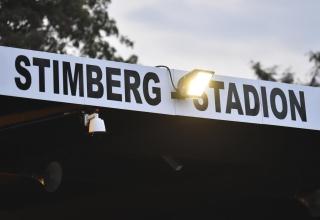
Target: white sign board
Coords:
[[85, 81]]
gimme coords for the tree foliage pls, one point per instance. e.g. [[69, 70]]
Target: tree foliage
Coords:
[[60, 26], [271, 74], [315, 72]]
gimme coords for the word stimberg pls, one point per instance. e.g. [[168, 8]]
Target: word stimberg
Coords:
[[98, 81]]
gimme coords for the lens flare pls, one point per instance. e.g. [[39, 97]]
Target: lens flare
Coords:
[[198, 84]]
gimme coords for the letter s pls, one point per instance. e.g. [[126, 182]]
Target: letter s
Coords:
[[23, 72], [204, 105]]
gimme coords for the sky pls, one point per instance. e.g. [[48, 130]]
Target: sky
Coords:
[[224, 36]]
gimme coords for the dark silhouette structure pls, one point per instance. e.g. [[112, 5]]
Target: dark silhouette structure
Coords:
[[255, 171]]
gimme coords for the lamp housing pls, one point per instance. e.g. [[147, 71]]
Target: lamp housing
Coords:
[[94, 123], [193, 84]]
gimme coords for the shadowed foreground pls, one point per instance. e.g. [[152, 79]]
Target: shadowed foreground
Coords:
[[230, 170]]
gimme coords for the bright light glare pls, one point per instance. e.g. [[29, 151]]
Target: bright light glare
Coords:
[[198, 84]]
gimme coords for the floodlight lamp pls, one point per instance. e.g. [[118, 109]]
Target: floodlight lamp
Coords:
[[193, 84], [94, 123], [50, 178]]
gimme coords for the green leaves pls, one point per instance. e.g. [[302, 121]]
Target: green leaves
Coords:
[[61, 25], [271, 74]]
